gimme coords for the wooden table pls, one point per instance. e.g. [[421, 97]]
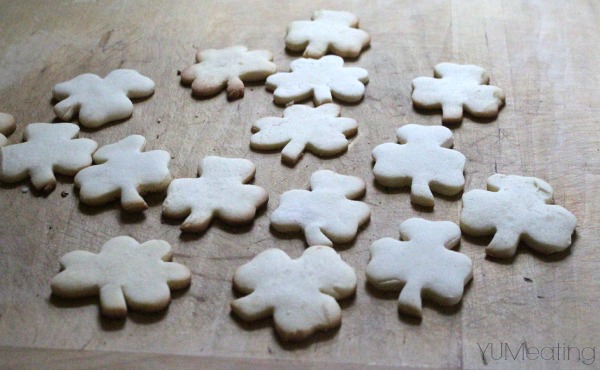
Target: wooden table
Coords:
[[545, 56]]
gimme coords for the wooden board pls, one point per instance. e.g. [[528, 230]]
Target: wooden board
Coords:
[[543, 54]]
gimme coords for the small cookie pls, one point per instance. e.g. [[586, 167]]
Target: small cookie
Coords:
[[326, 214], [329, 30], [7, 127], [47, 149], [124, 274], [220, 191], [321, 130], [217, 69], [300, 294], [421, 265], [319, 78], [457, 87], [517, 208], [423, 161], [101, 100], [123, 171]]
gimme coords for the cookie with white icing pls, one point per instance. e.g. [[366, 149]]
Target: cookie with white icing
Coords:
[[514, 209], [221, 191], [124, 172], [328, 31], [456, 88], [322, 79], [422, 160], [98, 101], [327, 214], [421, 265], [319, 130], [300, 293], [125, 274], [47, 149], [217, 69]]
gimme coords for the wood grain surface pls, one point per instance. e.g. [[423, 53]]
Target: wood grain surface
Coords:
[[545, 56]]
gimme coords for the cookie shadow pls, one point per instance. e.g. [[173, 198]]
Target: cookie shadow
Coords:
[[299, 235], [428, 303], [230, 228], [125, 217], [522, 249], [457, 124]]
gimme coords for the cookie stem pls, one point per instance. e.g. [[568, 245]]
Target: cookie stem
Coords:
[[504, 244], [112, 301], [235, 88], [322, 94], [410, 300], [292, 152], [420, 194], [43, 179]]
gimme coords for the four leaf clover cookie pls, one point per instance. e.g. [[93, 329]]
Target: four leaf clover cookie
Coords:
[[220, 191], [319, 78], [124, 172], [457, 87], [48, 149], [124, 274], [517, 208], [422, 161], [334, 31], [321, 130], [217, 69], [300, 294], [101, 100], [326, 214], [421, 265]]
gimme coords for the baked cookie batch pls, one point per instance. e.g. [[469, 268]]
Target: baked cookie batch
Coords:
[[300, 294]]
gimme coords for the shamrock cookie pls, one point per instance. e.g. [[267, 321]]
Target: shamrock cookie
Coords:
[[124, 171], [217, 69], [7, 127], [421, 265], [326, 214], [221, 191], [48, 149], [124, 274], [320, 129], [517, 208], [101, 100], [457, 87], [423, 161], [319, 78], [335, 31], [300, 294]]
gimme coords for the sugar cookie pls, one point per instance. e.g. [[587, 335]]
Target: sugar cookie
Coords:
[[7, 127], [48, 149], [321, 130], [300, 294], [422, 161], [326, 214], [517, 208], [216, 69], [124, 274], [457, 87], [318, 78], [123, 171], [101, 100], [329, 30], [221, 191], [421, 265]]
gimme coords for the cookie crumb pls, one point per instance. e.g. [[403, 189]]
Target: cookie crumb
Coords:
[[527, 279], [64, 194], [24, 189], [179, 72], [158, 121]]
